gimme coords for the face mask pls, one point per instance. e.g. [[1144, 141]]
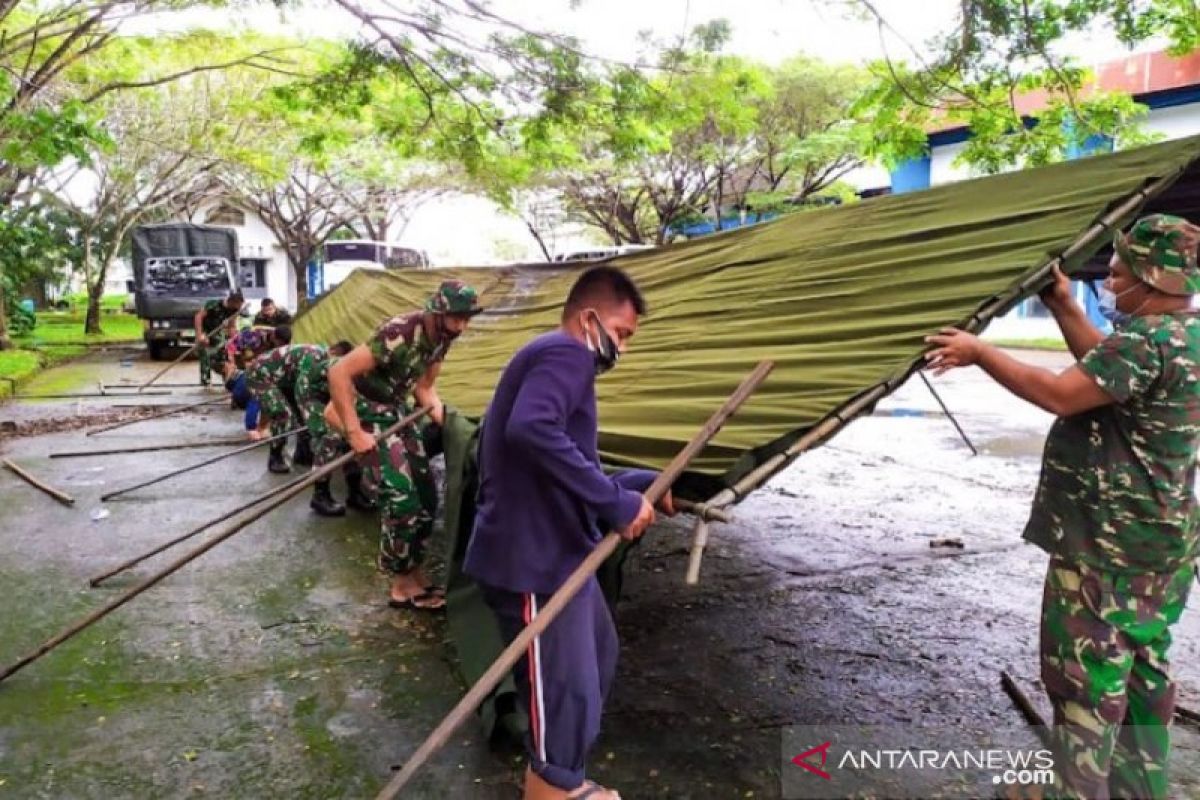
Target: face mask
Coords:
[[1107, 303], [603, 348]]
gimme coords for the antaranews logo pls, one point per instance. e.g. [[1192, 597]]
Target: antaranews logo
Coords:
[[802, 759], [908, 763]]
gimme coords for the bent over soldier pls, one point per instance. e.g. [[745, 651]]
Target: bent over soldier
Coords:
[[1115, 508], [312, 395], [401, 360], [271, 379]]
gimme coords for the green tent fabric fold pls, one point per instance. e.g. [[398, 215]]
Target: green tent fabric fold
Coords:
[[840, 298]]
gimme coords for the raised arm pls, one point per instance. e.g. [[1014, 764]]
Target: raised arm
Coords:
[[1077, 330]]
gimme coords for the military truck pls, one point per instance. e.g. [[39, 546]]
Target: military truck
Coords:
[[177, 268]]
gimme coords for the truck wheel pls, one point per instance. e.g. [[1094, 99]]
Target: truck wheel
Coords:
[[157, 350]]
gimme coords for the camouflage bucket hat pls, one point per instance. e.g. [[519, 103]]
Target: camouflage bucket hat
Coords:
[[454, 297], [1162, 251]]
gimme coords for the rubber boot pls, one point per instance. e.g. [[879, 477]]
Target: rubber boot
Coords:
[[302, 456], [276, 462], [323, 501], [357, 498]]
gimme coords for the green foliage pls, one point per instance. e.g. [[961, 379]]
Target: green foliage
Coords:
[[1000, 51]]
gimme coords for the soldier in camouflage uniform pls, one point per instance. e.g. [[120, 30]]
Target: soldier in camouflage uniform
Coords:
[[1115, 507], [214, 323], [271, 379], [402, 359], [312, 395]]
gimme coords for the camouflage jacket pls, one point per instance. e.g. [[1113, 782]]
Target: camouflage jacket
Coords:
[[1116, 491], [284, 366], [216, 314], [403, 353], [281, 317]]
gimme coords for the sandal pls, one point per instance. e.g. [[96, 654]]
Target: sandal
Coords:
[[590, 789], [425, 601]]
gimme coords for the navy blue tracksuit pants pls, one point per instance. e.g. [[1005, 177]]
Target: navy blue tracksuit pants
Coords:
[[564, 678]]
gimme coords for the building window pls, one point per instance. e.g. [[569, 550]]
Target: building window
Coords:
[[226, 215], [252, 273]]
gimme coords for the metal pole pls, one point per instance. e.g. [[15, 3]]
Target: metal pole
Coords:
[[168, 412], [183, 561], [946, 410], [517, 648], [147, 449], [133, 562], [199, 464]]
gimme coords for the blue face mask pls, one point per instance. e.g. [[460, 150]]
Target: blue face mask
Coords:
[[1107, 302]]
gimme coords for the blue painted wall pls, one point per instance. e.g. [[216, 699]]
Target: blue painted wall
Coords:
[[911, 175]]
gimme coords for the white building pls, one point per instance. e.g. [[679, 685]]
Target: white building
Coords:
[[265, 270]]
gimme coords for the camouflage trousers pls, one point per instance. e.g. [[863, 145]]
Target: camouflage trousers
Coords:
[[398, 476], [1104, 642], [327, 444], [273, 401], [211, 357]]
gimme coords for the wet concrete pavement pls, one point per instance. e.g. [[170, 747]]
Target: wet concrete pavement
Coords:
[[271, 667]]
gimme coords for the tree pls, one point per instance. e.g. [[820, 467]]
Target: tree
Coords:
[[302, 208], [47, 52], [1000, 50]]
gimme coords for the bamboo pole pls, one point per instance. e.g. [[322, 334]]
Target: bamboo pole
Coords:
[[516, 649], [841, 416], [167, 545], [204, 463], [62, 497], [168, 412], [184, 560], [147, 449]]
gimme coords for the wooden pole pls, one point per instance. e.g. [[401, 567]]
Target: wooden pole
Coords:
[[293, 490], [1026, 707], [147, 449], [163, 371], [186, 353], [133, 562], [199, 464], [168, 412], [496, 672], [62, 497]]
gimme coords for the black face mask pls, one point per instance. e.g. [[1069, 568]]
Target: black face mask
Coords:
[[603, 348]]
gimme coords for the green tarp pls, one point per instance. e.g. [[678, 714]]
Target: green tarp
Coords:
[[839, 298]]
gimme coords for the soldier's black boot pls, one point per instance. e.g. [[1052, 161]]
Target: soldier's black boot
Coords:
[[302, 456], [357, 497], [276, 462], [323, 501]]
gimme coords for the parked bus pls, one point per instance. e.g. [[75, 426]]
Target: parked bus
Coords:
[[342, 257]]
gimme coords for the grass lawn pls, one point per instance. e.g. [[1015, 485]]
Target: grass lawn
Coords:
[[57, 337]]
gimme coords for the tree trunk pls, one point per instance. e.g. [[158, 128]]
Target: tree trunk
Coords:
[[91, 323], [537, 237], [299, 258], [5, 342]]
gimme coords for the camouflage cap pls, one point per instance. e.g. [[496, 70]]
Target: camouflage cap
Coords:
[[454, 297], [1162, 251]]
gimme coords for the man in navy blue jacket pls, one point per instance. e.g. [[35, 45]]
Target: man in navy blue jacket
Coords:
[[544, 503]]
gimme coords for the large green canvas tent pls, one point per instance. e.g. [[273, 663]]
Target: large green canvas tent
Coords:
[[839, 298]]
